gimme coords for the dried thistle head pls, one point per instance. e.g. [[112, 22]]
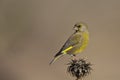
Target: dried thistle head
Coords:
[[79, 68]]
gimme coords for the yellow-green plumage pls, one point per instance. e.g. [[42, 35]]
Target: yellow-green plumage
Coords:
[[76, 43], [83, 44]]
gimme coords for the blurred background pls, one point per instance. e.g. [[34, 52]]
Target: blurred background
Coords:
[[32, 31]]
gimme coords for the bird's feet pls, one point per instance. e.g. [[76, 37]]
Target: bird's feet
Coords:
[[73, 57]]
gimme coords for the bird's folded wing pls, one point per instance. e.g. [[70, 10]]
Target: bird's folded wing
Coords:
[[71, 42]]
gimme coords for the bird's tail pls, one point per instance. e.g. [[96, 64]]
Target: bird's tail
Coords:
[[55, 58]]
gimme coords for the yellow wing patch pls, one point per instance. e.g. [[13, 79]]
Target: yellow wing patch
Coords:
[[65, 51]]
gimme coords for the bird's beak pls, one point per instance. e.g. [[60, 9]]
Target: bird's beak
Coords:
[[75, 28]]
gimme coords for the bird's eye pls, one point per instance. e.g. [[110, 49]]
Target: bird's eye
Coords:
[[79, 26]]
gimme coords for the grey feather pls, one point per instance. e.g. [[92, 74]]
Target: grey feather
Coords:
[[73, 40]]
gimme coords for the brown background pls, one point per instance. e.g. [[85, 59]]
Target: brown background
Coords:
[[32, 31]]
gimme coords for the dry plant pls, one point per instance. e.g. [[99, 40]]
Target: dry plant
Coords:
[[79, 68]]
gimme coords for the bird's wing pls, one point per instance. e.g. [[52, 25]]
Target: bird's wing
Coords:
[[70, 43]]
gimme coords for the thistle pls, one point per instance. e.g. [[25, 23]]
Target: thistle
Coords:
[[79, 68]]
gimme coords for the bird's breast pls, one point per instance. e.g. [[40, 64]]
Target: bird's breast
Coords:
[[83, 42]]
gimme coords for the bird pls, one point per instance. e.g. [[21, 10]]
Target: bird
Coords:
[[76, 43]]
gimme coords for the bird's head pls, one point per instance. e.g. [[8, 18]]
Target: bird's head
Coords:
[[80, 27]]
